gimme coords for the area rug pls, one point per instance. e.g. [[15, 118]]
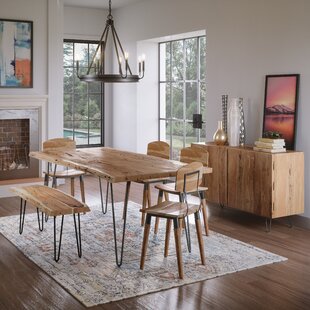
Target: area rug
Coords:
[[95, 279]]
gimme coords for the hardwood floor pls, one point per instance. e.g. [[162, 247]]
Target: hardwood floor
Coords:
[[284, 285]]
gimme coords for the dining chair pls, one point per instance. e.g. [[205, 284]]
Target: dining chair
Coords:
[[189, 155], [158, 149], [188, 179], [62, 144]]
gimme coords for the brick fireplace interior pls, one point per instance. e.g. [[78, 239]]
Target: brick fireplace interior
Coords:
[[18, 136], [14, 144]]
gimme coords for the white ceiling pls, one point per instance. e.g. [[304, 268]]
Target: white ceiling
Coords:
[[99, 4]]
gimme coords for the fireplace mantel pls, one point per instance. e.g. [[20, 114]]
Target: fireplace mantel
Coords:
[[27, 102]]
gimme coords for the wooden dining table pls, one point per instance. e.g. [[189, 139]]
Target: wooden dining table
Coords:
[[114, 166]]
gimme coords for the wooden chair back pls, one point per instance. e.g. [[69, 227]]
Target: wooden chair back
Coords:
[[189, 177], [190, 154], [159, 149], [59, 143]]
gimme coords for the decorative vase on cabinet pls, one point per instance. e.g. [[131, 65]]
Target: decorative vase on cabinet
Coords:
[[233, 122], [220, 136]]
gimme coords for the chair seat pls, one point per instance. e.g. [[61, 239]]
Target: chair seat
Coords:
[[68, 173], [170, 209], [170, 188]]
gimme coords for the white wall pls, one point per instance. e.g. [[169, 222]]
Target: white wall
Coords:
[[55, 69], [36, 11], [147, 98], [47, 55], [246, 40], [88, 24]]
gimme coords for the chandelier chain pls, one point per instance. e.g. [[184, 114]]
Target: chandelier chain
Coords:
[[110, 8]]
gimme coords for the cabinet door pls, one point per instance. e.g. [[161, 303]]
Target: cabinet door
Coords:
[[263, 184], [240, 179], [250, 181], [288, 184]]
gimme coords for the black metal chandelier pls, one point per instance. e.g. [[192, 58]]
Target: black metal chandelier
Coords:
[[96, 69]]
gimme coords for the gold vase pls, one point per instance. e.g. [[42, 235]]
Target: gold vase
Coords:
[[220, 136]]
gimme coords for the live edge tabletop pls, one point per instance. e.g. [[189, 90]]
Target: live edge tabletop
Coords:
[[112, 164]]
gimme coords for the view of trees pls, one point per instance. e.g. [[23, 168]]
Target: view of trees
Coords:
[[182, 90], [82, 101]]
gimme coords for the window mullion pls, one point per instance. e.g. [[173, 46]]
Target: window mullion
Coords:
[[73, 94], [87, 96], [184, 94], [198, 85], [170, 99]]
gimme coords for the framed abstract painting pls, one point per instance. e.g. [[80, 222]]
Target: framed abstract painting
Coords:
[[280, 109], [16, 40]]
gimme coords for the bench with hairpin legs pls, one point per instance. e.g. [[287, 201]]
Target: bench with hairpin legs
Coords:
[[54, 203]]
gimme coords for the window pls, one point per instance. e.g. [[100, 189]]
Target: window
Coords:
[[182, 91], [83, 102]]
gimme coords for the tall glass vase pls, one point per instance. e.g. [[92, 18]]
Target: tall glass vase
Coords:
[[233, 122], [242, 123], [224, 111]]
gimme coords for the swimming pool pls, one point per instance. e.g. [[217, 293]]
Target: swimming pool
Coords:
[[81, 136]]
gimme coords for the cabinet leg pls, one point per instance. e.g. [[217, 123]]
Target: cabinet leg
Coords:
[[289, 222], [268, 224]]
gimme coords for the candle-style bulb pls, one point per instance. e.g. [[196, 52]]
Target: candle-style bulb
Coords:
[[126, 56], [139, 60], [143, 63]]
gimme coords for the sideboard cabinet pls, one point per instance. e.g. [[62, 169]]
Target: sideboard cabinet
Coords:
[[265, 184]]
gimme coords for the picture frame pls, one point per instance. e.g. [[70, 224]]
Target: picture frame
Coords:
[[16, 53], [280, 106]]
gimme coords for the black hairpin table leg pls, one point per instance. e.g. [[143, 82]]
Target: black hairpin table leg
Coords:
[[40, 222], [57, 255], [22, 215], [104, 208], [78, 234], [119, 261]]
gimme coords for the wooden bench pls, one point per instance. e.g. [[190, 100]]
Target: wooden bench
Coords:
[[54, 203]]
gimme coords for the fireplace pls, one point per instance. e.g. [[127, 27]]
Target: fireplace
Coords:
[[19, 134]]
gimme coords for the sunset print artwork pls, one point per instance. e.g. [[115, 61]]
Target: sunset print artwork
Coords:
[[15, 53], [281, 97]]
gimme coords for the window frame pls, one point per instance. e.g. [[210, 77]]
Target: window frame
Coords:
[[88, 94], [198, 82]]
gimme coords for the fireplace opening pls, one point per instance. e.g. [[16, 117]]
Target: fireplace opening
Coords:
[[14, 144], [19, 135]]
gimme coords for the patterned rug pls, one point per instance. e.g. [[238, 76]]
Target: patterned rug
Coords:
[[95, 279]]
